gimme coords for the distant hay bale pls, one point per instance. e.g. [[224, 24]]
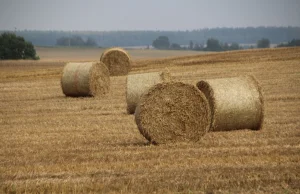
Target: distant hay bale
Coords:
[[236, 103], [173, 112], [117, 61], [85, 79], [137, 84]]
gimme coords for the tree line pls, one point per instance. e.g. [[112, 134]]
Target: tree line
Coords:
[[247, 35], [212, 44], [16, 47], [75, 41]]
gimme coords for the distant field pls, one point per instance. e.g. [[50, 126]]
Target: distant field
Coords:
[[93, 54], [50, 143]]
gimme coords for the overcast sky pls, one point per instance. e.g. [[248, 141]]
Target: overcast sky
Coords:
[[108, 15]]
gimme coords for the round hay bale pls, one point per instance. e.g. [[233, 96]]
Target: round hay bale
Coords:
[[85, 79], [236, 103], [137, 84], [173, 112], [117, 61]]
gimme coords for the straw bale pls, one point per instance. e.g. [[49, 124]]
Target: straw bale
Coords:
[[236, 103], [137, 84], [117, 61], [173, 112], [85, 79]]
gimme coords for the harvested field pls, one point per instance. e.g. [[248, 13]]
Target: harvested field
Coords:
[[52, 143]]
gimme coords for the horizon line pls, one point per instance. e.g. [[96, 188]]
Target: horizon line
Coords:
[[153, 30]]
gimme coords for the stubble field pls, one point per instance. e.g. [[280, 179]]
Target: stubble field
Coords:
[[56, 144]]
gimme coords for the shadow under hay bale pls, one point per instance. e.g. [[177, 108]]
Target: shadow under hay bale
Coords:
[[117, 61], [173, 112], [236, 103], [137, 84], [85, 79]]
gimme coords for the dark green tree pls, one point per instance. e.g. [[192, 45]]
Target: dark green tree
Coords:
[[162, 42], [213, 45], [15, 47], [263, 43]]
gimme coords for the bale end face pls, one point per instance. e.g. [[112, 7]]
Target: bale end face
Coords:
[[99, 80], [117, 61], [173, 112]]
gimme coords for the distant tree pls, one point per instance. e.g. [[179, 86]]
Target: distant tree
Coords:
[[15, 47], [213, 45], [191, 46], [263, 43], [294, 42], [162, 42], [175, 46]]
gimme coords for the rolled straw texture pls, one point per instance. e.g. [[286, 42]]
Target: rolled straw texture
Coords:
[[137, 84], [85, 79], [236, 103], [117, 61]]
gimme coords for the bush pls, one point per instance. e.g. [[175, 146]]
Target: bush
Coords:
[[15, 47], [162, 42], [263, 43], [213, 45]]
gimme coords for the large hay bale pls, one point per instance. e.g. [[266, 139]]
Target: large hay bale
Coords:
[[173, 112], [236, 103], [85, 79], [117, 61], [137, 84]]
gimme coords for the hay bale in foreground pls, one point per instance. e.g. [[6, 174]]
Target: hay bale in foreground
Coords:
[[117, 61], [137, 84], [173, 112], [85, 79], [236, 103]]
